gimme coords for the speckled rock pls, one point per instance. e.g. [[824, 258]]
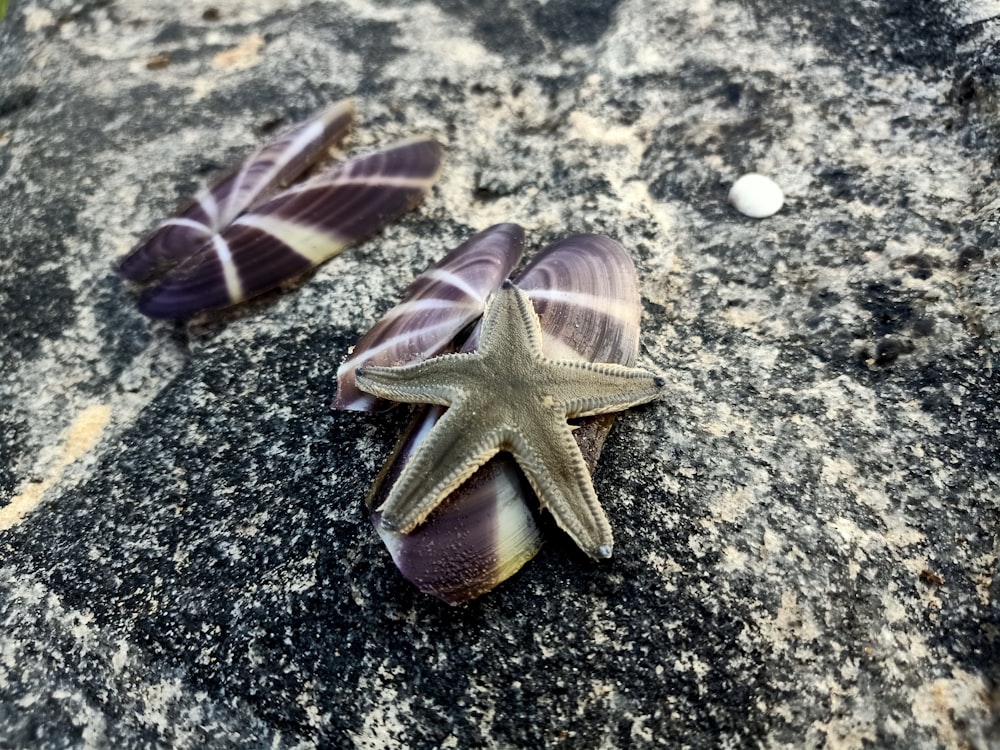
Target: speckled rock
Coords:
[[807, 548]]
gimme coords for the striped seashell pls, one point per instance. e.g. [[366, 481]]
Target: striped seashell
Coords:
[[585, 291], [271, 168], [435, 309], [477, 538], [273, 240]]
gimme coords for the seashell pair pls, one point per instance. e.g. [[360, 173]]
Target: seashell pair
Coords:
[[249, 232]]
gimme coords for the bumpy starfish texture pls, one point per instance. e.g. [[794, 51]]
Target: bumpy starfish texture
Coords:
[[507, 396]]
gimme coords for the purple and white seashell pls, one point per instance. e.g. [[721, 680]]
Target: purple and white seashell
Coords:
[[435, 309], [249, 232]]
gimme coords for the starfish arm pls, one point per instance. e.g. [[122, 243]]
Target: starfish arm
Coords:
[[553, 464], [455, 448], [509, 313], [599, 388], [434, 381]]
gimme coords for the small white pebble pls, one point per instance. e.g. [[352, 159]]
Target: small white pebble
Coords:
[[756, 196]]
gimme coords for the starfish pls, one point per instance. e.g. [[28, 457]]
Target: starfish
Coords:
[[507, 396]]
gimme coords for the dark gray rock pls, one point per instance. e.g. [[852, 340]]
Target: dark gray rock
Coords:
[[807, 549]]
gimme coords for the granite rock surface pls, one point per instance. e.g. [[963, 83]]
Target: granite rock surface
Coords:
[[807, 546]]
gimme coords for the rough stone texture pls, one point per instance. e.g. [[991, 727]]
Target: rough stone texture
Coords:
[[807, 549]]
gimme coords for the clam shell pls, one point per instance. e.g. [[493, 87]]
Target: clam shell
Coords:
[[436, 308], [271, 168], [477, 538], [250, 231], [296, 230], [585, 291]]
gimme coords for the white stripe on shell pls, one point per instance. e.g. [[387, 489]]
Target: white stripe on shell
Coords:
[[616, 309], [313, 244], [424, 304], [322, 181], [189, 224], [517, 536], [284, 156], [360, 404], [455, 281], [392, 342], [554, 347], [206, 199], [232, 276]]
